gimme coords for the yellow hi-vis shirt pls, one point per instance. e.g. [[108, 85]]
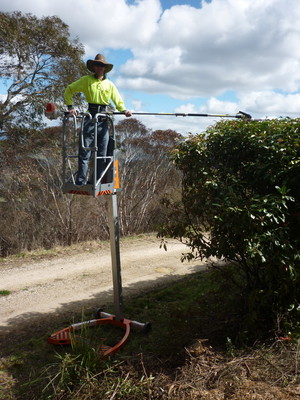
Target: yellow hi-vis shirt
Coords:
[[96, 91]]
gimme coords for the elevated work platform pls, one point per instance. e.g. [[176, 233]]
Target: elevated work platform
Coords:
[[95, 189], [109, 182]]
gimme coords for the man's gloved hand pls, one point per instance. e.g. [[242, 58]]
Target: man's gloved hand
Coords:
[[72, 110]]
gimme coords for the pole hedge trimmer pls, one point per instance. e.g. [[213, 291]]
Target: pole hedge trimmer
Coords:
[[52, 113]]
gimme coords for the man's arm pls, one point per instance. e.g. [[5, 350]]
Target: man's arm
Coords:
[[118, 101], [71, 89]]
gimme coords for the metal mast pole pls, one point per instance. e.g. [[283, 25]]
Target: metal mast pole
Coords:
[[115, 255]]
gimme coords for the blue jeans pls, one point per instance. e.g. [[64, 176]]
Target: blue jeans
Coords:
[[85, 155]]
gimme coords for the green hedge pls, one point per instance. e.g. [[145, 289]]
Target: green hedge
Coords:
[[241, 203]]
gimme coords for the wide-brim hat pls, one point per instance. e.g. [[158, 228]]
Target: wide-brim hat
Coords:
[[99, 60]]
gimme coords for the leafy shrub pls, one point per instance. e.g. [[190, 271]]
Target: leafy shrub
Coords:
[[241, 203]]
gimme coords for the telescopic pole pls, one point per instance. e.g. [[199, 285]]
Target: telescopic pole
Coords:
[[240, 114], [115, 255], [52, 113]]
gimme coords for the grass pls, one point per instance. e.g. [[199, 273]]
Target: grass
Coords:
[[4, 292], [189, 353]]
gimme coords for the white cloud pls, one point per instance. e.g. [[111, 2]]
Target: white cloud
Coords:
[[268, 104], [189, 52], [183, 125], [99, 23], [271, 103], [226, 45], [214, 105], [250, 47], [137, 105]]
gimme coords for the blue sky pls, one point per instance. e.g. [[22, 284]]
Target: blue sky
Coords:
[[217, 56]]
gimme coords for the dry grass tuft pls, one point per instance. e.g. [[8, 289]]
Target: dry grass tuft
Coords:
[[264, 374]]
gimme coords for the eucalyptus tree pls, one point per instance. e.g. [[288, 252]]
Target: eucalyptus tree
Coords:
[[38, 59]]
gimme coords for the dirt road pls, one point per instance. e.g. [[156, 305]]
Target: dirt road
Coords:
[[63, 284]]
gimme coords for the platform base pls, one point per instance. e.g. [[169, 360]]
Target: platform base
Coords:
[[68, 336], [90, 190]]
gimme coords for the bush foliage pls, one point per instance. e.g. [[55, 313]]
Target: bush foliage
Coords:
[[241, 203]]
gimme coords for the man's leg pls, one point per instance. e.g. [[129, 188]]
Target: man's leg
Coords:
[[84, 155]]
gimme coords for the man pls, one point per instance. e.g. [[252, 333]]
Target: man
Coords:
[[98, 91]]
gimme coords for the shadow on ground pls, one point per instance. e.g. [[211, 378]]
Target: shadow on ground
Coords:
[[32, 325]]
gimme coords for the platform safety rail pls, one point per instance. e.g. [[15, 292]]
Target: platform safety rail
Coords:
[[109, 182]]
